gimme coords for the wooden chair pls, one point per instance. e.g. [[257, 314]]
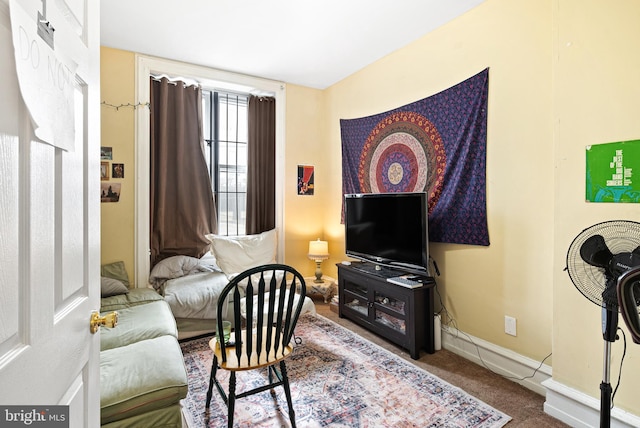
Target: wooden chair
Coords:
[[266, 302]]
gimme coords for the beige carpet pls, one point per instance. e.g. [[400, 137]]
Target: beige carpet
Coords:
[[524, 406]]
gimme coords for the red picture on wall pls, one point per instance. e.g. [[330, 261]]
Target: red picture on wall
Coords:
[[305, 180]]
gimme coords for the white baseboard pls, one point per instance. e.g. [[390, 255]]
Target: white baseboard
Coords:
[[568, 405], [580, 410], [507, 363]]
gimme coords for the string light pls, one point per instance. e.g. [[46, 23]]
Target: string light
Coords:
[[118, 107]]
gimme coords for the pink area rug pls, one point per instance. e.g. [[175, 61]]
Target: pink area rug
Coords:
[[338, 379]]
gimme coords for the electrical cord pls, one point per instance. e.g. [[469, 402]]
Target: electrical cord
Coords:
[[452, 323], [624, 352]]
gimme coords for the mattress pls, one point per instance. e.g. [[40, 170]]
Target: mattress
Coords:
[[195, 295]]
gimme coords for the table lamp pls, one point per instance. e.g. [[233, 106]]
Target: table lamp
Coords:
[[318, 251]]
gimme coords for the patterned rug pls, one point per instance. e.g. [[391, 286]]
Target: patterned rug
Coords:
[[338, 379]]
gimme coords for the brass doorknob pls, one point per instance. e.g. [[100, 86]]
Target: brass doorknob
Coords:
[[109, 320]]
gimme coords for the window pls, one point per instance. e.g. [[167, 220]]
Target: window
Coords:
[[225, 137], [208, 78]]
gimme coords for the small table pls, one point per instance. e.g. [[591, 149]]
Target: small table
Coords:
[[324, 288]]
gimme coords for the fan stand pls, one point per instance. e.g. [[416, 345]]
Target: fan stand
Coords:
[[608, 249], [609, 333]]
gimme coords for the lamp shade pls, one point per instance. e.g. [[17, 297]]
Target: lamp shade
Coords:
[[318, 250]]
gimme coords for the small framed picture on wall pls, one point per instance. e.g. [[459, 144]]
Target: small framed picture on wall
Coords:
[[106, 153], [104, 171], [306, 180], [117, 170], [110, 192]]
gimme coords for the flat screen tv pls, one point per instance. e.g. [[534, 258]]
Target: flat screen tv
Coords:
[[388, 229]]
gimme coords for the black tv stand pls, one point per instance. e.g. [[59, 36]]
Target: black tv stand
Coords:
[[402, 315]]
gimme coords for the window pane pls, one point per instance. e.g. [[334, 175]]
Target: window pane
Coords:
[[223, 155], [229, 153], [242, 179], [232, 158], [232, 122], [243, 124], [227, 174], [242, 155], [232, 215], [206, 115], [222, 182], [222, 214], [242, 213], [222, 120]]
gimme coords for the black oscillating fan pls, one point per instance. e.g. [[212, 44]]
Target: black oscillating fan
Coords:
[[602, 259]]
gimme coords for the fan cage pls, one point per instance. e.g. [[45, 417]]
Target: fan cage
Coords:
[[620, 236]]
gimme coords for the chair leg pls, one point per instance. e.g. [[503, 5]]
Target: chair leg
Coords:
[[287, 392], [214, 369], [232, 398], [271, 371]]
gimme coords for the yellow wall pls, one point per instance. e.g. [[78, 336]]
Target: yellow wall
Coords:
[[118, 87], [305, 214], [595, 101], [563, 74], [513, 275]]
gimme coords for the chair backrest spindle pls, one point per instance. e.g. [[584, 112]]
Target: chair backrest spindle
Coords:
[[266, 306]]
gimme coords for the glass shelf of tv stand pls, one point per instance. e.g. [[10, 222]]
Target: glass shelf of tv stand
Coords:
[[393, 315], [386, 318], [391, 303], [357, 289], [390, 321], [386, 310], [358, 305]]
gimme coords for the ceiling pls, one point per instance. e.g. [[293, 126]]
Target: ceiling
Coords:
[[313, 44]]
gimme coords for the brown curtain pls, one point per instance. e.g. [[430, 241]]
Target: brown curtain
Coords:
[[261, 165], [181, 200]]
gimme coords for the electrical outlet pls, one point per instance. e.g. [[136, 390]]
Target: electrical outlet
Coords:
[[510, 325]]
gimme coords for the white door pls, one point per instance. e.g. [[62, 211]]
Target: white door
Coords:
[[50, 238]]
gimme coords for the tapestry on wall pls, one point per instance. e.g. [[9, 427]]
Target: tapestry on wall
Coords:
[[436, 145]]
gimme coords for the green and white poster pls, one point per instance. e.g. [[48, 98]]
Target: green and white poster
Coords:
[[610, 172]]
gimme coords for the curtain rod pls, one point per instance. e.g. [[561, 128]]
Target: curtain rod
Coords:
[[191, 81]]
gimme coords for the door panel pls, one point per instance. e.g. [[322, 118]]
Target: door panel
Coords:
[[49, 234], [10, 314], [71, 202], [9, 200]]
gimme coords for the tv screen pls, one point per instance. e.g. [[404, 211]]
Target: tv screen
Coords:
[[389, 229]]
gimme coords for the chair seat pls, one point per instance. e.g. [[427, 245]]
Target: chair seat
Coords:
[[258, 359]]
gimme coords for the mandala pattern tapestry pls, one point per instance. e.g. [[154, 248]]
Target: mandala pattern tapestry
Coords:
[[436, 145]]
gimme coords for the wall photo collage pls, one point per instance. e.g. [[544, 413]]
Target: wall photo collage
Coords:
[[109, 170]]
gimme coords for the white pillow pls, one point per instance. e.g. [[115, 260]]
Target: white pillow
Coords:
[[235, 254]]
